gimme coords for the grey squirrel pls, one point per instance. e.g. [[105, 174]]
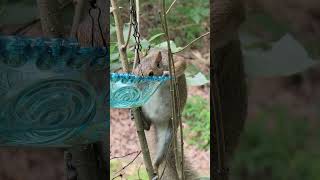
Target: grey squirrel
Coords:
[[157, 111]]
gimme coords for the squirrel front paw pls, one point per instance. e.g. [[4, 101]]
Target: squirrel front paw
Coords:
[[145, 122], [131, 115], [166, 73]]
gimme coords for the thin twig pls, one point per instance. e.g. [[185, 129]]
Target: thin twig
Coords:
[[173, 88], [129, 34], [130, 27], [172, 113], [124, 167], [193, 41], [78, 13], [137, 18], [176, 114], [171, 6], [138, 13], [25, 26], [120, 176], [118, 157]]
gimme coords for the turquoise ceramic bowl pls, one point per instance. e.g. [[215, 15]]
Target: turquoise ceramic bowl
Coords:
[[52, 93], [129, 91]]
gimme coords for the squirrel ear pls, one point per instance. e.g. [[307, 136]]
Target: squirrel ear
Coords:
[[158, 57]]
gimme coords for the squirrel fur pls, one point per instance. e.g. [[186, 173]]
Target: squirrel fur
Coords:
[[157, 110]]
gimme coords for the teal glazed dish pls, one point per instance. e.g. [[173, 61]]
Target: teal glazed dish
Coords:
[[130, 91], [52, 92]]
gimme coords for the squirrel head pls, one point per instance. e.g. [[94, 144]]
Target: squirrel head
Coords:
[[151, 65]]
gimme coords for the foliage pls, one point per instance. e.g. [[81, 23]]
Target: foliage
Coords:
[[139, 174], [197, 115], [270, 48], [178, 15], [187, 20], [288, 150], [285, 57], [116, 165]]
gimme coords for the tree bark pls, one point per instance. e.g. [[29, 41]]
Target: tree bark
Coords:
[[229, 93], [50, 18]]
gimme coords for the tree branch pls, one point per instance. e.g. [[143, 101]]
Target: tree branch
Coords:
[[120, 38], [78, 14], [170, 7], [193, 41], [50, 18], [175, 103]]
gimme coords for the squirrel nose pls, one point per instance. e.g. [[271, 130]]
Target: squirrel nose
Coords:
[[150, 73]]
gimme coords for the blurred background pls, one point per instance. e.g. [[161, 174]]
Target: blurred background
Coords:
[[281, 139]]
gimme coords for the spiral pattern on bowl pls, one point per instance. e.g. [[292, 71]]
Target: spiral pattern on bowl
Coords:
[[50, 110], [125, 96]]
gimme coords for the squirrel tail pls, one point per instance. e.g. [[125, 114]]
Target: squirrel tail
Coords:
[[164, 134]]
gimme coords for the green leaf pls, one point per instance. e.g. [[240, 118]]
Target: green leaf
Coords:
[[192, 70], [114, 56], [173, 46], [155, 36], [286, 57], [144, 43], [197, 80], [130, 55]]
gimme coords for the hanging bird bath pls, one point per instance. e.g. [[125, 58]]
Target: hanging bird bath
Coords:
[[52, 92], [129, 91]]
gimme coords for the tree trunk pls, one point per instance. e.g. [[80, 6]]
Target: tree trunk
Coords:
[[228, 96], [50, 18]]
